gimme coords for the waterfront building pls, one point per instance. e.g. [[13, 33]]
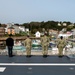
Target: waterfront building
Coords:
[[2, 31], [11, 31]]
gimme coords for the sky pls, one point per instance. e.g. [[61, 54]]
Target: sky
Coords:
[[25, 11]]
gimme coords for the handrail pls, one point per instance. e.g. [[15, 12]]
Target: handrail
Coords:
[[17, 38]]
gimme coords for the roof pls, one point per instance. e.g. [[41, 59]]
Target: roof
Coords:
[[10, 28]]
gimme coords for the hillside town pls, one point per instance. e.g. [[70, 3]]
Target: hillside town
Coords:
[[22, 30]]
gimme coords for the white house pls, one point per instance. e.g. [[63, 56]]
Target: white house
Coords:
[[8, 25], [37, 34], [65, 35], [22, 28]]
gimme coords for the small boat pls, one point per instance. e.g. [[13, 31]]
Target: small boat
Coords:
[[52, 44], [36, 43], [17, 43], [18, 46]]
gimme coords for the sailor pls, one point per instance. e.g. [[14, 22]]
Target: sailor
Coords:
[[61, 44], [45, 44], [28, 45], [10, 44]]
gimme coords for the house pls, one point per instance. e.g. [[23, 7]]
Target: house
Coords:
[[11, 30], [15, 28], [2, 31], [18, 29], [53, 33], [73, 32], [37, 34], [7, 26], [22, 28]]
